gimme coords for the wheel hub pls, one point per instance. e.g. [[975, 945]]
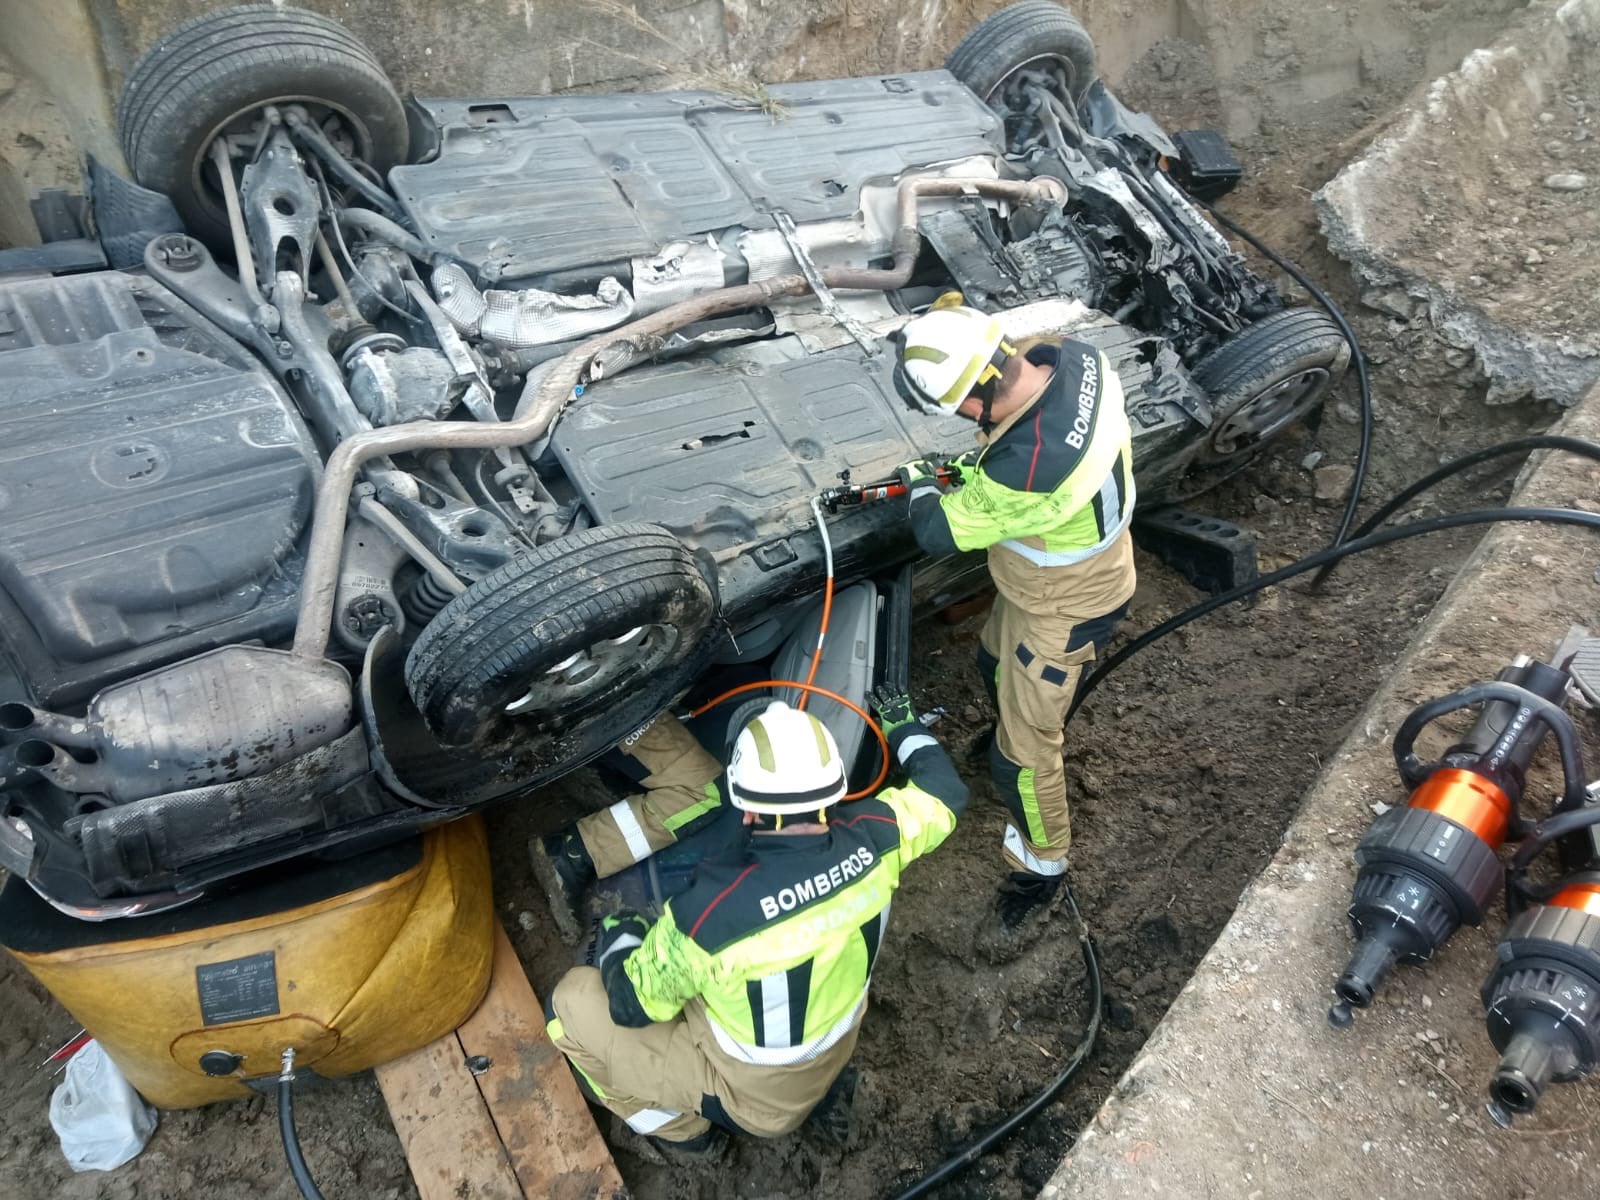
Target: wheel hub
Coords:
[[596, 670], [1268, 412], [1051, 69], [243, 130]]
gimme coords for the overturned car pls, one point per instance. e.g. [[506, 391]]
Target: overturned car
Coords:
[[402, 457]]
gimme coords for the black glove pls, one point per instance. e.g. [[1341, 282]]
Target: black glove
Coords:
[[918, 471], [619, 934], [915, 471], [892, 708]]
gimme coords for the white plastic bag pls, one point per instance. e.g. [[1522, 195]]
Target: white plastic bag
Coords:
[[101, 1121]]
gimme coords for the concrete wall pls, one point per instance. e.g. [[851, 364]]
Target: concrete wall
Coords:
[[62, 61]]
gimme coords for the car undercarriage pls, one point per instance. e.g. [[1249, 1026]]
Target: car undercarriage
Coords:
[[412, 456]]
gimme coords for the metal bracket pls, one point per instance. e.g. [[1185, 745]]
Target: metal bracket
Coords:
[[280, 205], [825, 297], [477, 395]]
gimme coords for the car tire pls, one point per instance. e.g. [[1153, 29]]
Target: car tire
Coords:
[[1260, 381], [571, 647], [213, 71], [1268, 377], [1017, 35]]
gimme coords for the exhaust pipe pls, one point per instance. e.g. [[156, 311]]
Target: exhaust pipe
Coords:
[[320, 582], [60, 768], [16, 717]]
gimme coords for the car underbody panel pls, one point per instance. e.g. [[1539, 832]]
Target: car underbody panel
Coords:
[[726, 449], [528, 186], [157, 481], [728, 452]]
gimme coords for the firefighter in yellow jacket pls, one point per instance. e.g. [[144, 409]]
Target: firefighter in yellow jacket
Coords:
[[738, 1009], [1049, 494]]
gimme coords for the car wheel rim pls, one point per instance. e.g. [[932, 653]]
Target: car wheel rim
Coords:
[[1269, 412], [244, 128], [1065, 75], [596, 672]]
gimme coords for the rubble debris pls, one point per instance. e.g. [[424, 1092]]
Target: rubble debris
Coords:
[[1475, 186]]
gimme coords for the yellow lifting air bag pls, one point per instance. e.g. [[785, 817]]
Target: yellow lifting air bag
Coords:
[[350, 980]]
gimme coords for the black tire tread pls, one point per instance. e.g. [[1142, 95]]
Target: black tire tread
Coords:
[[1000, 41], [1274, 341], [486, 632], [222, 61], [206, 38]]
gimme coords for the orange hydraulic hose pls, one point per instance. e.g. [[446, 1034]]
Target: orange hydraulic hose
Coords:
[[877, 732], [822, 634]]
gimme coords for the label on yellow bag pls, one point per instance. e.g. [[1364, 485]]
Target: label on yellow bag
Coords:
[[238, 989]]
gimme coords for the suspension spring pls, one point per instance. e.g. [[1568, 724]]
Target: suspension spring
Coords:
[[424, 598]]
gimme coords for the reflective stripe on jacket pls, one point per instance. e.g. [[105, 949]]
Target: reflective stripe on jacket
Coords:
[[778, 940]]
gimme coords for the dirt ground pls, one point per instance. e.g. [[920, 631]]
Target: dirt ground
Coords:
[[1184, 770]]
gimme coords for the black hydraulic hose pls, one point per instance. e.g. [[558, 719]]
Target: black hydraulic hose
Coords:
[[1550, 830], [1022, 1116], [1357, 481], [1487, 516], [291, 1140], [1519, 892], [1540, 441]]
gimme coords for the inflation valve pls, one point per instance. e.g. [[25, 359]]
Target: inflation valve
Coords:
[[1432, 865]]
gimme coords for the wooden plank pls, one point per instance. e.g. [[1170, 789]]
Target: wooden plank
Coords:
[[450, 1141], [543, 1121]]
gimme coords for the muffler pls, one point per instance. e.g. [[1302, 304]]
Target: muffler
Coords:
[[230, 714]]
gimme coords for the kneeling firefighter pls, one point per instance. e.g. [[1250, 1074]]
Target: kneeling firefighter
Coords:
[[680, 796], [738, 1008], [1049, 494]]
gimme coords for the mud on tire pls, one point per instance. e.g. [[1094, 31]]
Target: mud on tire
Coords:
[[579, 642]]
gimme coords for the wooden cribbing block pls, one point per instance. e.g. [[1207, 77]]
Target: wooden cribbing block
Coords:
[[520, 1130]]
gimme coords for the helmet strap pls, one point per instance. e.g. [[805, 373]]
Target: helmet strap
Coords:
[[773, 822], [989, 383], [985, 394]]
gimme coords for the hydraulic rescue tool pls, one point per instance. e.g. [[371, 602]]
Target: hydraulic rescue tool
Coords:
[[1542, 999], [1431, 865], [848, 494]]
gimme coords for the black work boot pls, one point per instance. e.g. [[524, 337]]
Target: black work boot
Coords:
[[1023, 900], [831, 1116], [702, 1150], [564, 870]]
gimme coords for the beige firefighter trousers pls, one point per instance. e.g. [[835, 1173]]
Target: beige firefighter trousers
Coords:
[[1047, 627], [665, 1079], [681, 788]]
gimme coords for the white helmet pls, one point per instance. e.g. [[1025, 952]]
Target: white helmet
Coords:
[[949, 353], [785, 762]]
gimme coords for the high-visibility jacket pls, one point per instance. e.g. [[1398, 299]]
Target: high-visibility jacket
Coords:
[[777, 939], [1053, 482]]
